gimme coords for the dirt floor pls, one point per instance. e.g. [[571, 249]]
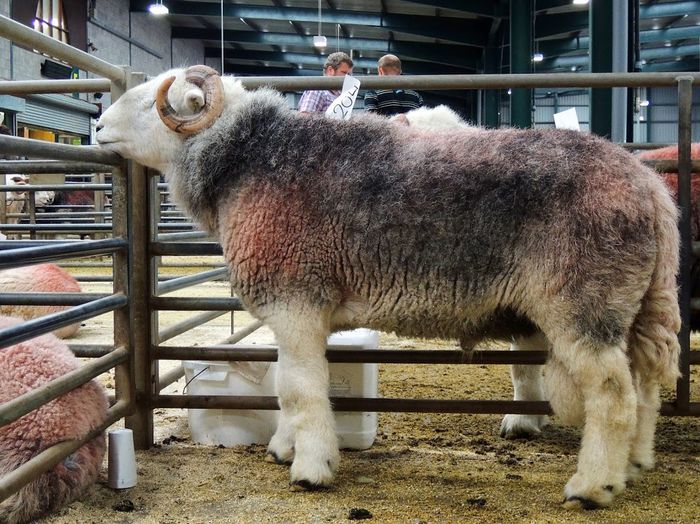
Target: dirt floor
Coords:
[[423, 468]]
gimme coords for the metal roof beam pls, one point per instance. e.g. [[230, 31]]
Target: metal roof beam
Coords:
[[555, 47], [465, 31], [464, 56], [488, 8]]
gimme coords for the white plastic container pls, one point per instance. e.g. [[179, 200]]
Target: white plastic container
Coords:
[[231, 426], [356, 430]]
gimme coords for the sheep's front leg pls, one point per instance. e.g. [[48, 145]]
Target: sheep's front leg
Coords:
[[307, 427], [527, 385]]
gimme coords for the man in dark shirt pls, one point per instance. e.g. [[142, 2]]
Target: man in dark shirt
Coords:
[[390, 102]]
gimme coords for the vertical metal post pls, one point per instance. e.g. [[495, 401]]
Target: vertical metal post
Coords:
[[491, 99], [99, 203], [685, 100], [521, 18], [31, 209], [123, 373], [601, 31], [141, 421]]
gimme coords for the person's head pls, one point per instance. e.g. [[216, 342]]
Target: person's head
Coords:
[[337, 64], [389, 65]]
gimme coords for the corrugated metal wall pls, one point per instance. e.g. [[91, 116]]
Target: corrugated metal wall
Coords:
[[656, 123], [58, 112]]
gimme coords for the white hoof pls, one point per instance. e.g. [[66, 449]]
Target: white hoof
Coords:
[[522, 426]]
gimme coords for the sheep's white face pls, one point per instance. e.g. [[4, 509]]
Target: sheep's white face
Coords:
[[131, 126]]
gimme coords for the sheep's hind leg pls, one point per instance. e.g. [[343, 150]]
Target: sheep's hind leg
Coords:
[[601, 372], [527, 385], [307, 426], [648, 403]]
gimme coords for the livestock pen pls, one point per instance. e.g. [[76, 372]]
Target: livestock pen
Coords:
[[138, 240]]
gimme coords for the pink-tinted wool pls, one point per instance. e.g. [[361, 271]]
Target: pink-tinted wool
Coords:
[[671, 179], [40, 278], [24, 367]]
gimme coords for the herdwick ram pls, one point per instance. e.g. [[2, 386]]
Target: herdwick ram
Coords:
[[500, 234], [26, 366], [39, 278]]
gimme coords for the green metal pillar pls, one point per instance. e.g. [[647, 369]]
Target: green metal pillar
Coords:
[[521, 18], [492, 99], [600, 20]]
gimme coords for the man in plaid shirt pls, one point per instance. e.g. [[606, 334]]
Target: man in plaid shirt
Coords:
[[337, 64]]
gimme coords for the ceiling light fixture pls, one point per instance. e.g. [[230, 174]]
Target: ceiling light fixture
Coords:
[[320, 40], [158, 8], [537, 57], [580, 2]]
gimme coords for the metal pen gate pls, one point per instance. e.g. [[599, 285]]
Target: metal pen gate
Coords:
[[137, 243]]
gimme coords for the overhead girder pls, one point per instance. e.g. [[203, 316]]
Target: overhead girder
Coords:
[[464, 56], [556, 47], [464, 31]]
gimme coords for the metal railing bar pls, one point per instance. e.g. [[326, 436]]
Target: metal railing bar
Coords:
[[38, 326], [388, 405], [187, 235], [51, 187], [186, 248], [169, 377], [11, 145], [45, 253], [178, 283], [268, 353], [29, 38], [27, 402], [643, 145], [359, 404], [197, 303], [49, 299], [26, 87], [670, 166], [475, 81], [51, 166], [90, 350], [47, 459], [59, 228], [243, 332], [186, 325]]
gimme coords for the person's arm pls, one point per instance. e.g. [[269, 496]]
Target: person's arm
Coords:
[[371, 101]]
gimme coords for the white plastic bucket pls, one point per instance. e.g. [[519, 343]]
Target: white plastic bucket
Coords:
[[356, 430]]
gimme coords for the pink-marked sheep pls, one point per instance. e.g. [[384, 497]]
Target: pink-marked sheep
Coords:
[[40, 278], [27, 366], [496, 234]]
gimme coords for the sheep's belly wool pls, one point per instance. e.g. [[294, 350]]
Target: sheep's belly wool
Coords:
[[24, 367]]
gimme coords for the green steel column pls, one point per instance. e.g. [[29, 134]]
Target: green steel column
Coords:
[[491, 96], [600, 21], [521, 17]]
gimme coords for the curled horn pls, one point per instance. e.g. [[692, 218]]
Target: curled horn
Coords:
[[209, 81]]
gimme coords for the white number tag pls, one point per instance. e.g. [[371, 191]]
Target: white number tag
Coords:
[[342, 107]]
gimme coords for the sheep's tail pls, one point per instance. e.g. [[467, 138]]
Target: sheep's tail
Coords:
[[654, 347], [60, 485]]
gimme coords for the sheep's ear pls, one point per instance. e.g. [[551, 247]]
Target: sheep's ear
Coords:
[[194, 100]]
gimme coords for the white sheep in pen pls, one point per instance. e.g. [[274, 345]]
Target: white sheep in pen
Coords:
[[504, 233]]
